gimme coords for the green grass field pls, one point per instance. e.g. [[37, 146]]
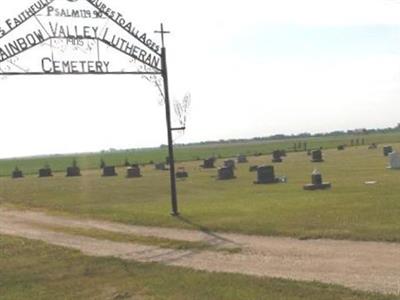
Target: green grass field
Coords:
[[350, 210], [35, 270], [92, 160]]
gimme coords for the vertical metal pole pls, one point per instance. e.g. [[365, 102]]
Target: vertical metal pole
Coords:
[[174, 197]]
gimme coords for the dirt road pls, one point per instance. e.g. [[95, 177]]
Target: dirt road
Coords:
[[368, 266]]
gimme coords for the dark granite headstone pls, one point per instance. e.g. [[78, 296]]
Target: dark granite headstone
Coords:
[[109, 171], [45, 172], [341, 147], [317, 183], [209, 163], [277, 156], [230, 164], [17, 174], [226, 173], [266, 175], [133, 172], [242, 159], [73, 172], [316, 156], [387, 150], [182, 173]]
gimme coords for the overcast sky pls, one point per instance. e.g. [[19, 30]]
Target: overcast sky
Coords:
[[253, 68]]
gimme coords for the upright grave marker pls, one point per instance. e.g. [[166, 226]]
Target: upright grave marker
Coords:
[[316, 156], [82, 37], [394, 161], [17, 173], [387, 150]]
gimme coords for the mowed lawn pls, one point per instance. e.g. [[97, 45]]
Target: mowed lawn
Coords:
[[350, 210], [35, 270], [30, 165]]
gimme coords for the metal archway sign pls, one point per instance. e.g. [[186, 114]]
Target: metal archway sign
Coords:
[[82, 37]]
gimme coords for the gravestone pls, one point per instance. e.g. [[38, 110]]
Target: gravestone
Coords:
[[160, 167], [181, 173], [317, 182], [209, 163], [266, 175], [230, 164], [17, 173], [387, 150], [242, 159], [341, 147], [226, 173], [277, 156], [73, 172], [45, 172], [253, 168], [316, 156], [109, 171], [133, 172], [394, 161]]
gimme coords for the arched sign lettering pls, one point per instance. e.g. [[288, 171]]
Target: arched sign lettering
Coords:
[[84, 37]]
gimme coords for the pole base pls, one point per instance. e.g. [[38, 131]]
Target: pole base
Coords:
[[175, 214]]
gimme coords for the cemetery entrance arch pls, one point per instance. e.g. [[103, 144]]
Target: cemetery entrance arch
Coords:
[[83, 37]]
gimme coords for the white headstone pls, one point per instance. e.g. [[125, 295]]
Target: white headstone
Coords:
[[394, 160]]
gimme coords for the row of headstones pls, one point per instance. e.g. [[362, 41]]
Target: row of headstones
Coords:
[[47, 172], [265, 174], [133, 171]]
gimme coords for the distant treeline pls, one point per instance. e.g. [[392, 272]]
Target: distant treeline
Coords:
[[277, 137]]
